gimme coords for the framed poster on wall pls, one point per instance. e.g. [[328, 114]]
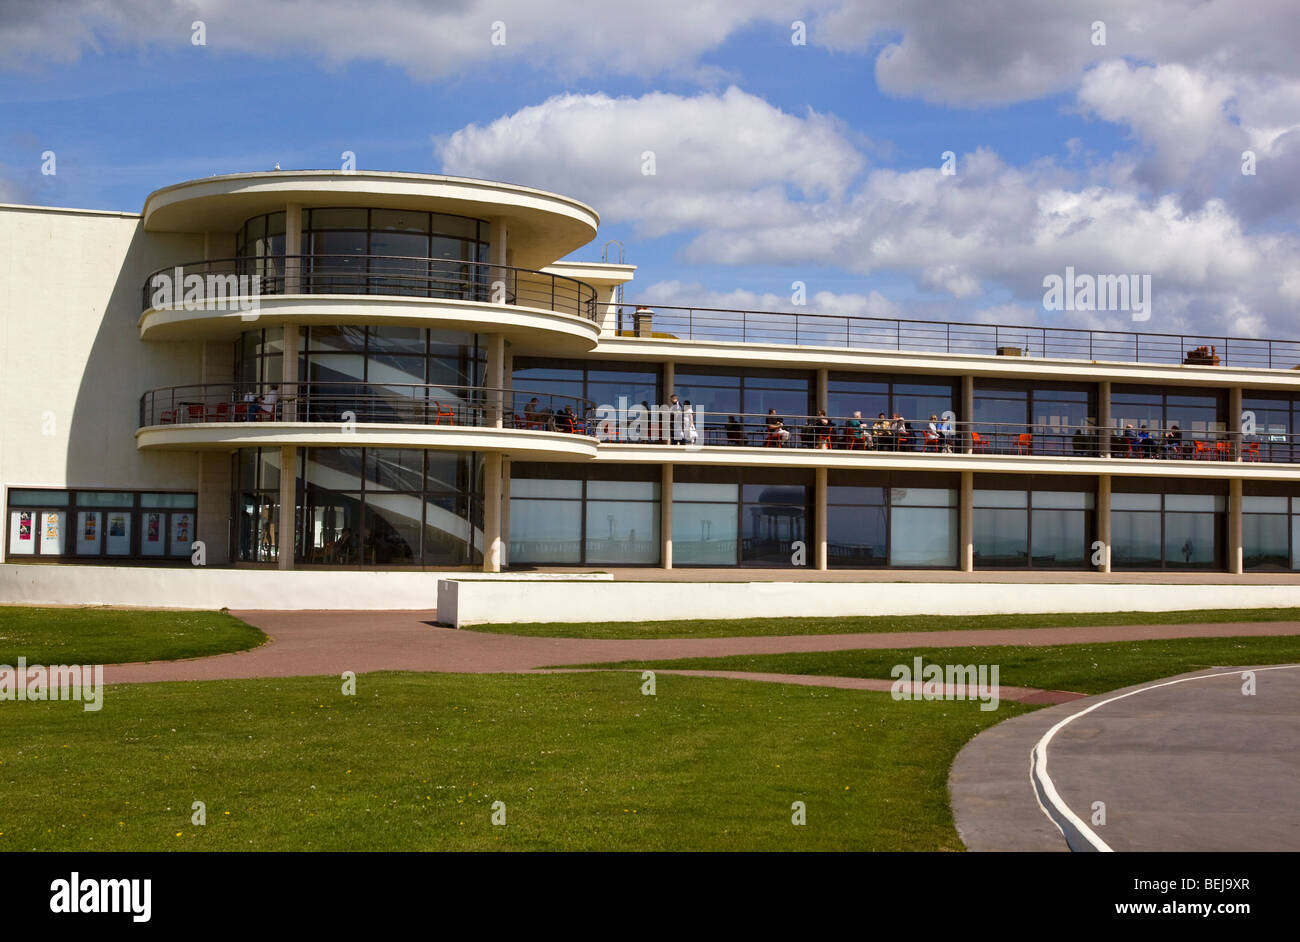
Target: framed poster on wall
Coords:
[[53, 532], [152, 538], [117, 536], [21, 541], [182, 533], [89, 532]]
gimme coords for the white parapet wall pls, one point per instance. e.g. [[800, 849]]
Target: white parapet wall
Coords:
[[199, 588], [463, 603]]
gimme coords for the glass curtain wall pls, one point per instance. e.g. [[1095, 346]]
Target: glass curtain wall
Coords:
[[900, 519], [1036, 418], [1154, 526], [562, 515], [748, 394], [1272, 415], [735, 516], [1033, 522], [1270, 526], [365, 507], [1201, 422]]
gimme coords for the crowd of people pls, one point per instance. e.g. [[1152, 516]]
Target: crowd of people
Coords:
[[883, 434]]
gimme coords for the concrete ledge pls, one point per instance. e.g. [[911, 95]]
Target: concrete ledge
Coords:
[[463, 602], [270, 589]]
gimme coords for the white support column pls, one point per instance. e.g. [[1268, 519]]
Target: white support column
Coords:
[[505, 511], [496, 367], [1103, 520], [670, 379], [666, 517], [1236, 561], [1103, 420], [286, 527], [967, 411], [823, 389], [966, 524], [492, 512], [288, 405], [292, 248], [820, 521]]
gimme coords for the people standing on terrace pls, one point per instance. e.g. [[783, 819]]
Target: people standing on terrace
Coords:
[[674, 418], [777, 433]]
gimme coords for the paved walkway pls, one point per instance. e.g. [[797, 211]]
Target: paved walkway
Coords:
[[306, 643], [1188, 765]]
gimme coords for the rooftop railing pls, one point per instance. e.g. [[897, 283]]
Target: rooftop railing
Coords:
[[880, 333], [196, 285]]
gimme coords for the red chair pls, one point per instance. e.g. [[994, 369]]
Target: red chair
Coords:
[[195, 413], [219, 413], [979, 442], [241, 412], [167, 417], [1201, 448], [1223, 451], [440, 413], [1024, 443], [931, 441], [1250, 451]]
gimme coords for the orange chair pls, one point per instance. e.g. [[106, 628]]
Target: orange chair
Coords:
[[980, 442], [1250, 451], [1024, 443], [1223, 451], [931, 441], [440, 413], [1201, 449]]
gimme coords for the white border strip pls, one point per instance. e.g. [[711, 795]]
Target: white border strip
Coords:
[[1044, 788]]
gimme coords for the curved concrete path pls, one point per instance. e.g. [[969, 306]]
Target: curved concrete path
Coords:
[[1186, 764], [306, 643]]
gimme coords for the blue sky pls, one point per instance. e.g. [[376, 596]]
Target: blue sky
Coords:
[[775, 162]]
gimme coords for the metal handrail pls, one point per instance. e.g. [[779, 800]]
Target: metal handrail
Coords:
[[362, 403], [391, 275], [883, 333], [1086, 440]]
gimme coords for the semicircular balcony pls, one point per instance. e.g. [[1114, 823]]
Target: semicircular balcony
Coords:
[[219, 298], [227, 416]]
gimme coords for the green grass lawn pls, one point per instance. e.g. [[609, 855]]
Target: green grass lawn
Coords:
[[753, 627], [110, 636], [416, 761], [1085, 668]]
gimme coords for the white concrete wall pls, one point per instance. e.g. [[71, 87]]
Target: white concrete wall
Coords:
[[476, 603], [72, 366], [197, 588]]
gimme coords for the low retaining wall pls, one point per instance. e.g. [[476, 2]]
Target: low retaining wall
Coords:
[[199, 588], [475, 603]]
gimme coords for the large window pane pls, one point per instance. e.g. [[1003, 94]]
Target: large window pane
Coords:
[[704, 534], [1264, 541], [856, 536], [1001, 537], [1189, 540], [1059, 537], [622, 532], [923, 536], [545, 531], [1135, 538]]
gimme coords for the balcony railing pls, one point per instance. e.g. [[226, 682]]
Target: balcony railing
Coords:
[[198, 285], [344, 403], [978, 438], [880, 333]]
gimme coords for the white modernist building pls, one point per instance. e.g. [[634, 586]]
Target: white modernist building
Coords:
[[332, 370]]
